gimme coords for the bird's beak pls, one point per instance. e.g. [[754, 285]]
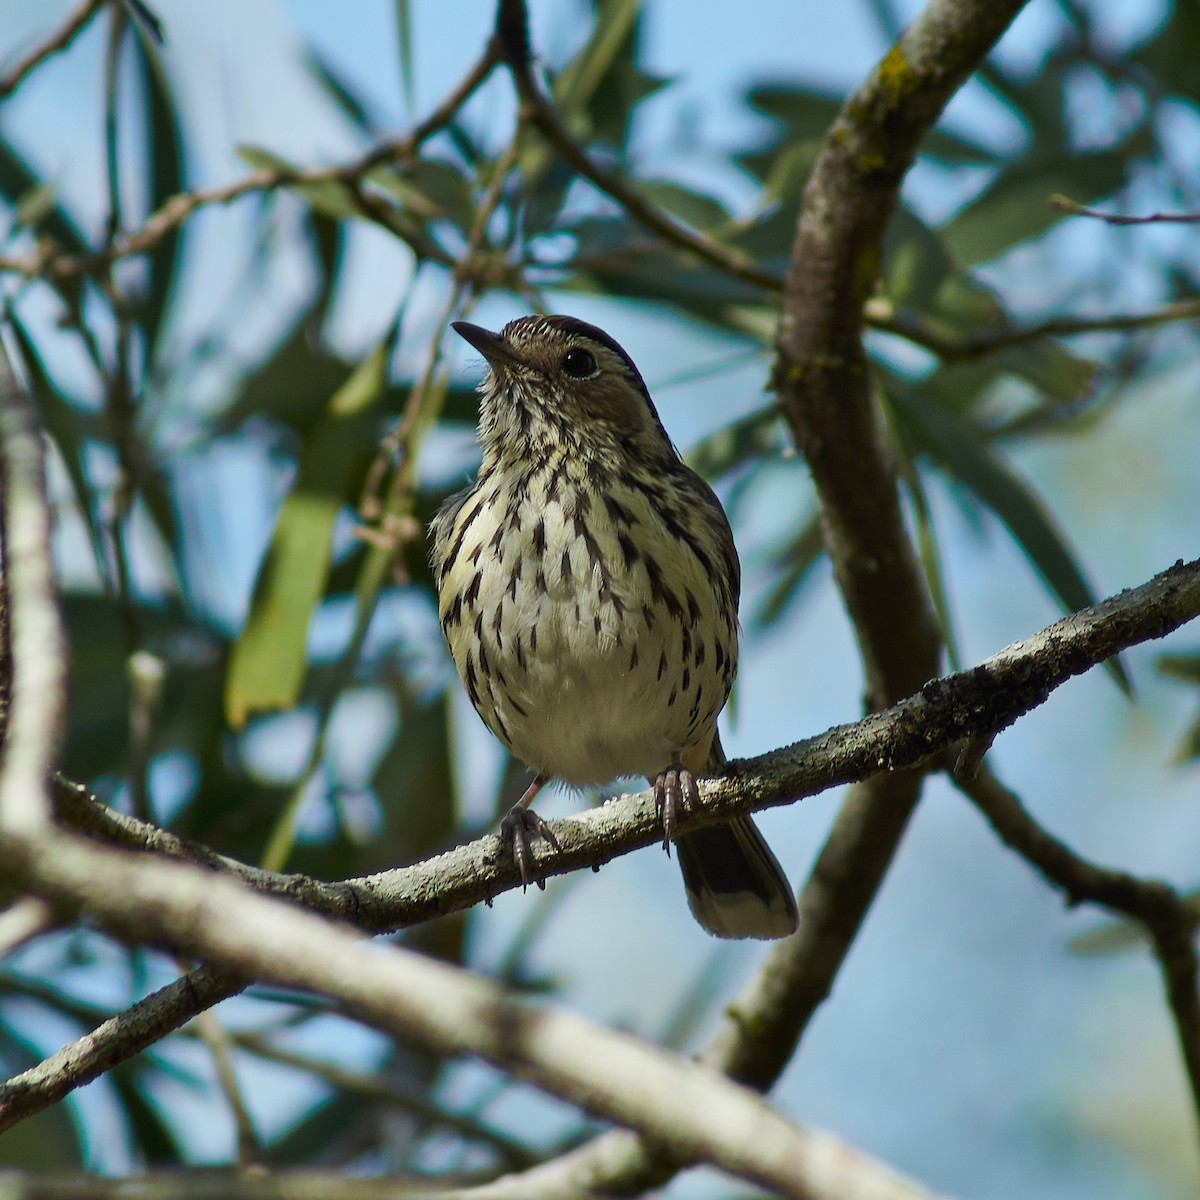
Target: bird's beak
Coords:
[[491, 345]]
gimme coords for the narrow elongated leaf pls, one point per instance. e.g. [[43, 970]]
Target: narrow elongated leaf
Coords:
[[794, 564], [965, 456], [694, 208], [17, 179], [578, 81], [329, 197], [808, 113], [1184, 667], [164, 155], [268, 662], [404, 44], [750, 437], [338, 88]]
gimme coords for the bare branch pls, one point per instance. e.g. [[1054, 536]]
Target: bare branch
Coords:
[[59, 40], [112, 1042], [1074, 209], [1153, 904], [880, 748], [24, 919], [982, 344], [694, 1114], [36, 643]]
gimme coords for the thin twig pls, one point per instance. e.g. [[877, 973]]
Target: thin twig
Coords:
[[1073, 208], [373, 1087], [217, 1039], [114, 1041], [513, 35], [980, 345], [46, 263], [979, 701], [59, 40]]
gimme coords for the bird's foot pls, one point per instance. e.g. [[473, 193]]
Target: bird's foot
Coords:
[[674, 790], [520, 824]]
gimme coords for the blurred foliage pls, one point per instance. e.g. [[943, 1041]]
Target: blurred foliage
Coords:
[[193, 436]]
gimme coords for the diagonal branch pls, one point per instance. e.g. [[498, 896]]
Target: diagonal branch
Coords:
[[512, 36], [690, 1111], [59, 40], [976, 703]]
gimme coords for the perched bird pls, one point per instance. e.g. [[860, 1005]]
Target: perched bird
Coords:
[[588, 589]]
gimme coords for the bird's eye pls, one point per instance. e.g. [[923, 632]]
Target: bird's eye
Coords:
[[579, 364]]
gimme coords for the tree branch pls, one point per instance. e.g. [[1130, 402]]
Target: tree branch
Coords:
[[1074, 209], [59, 40], [687, 1109], [977, 703], [980, 345], [35, 650], [48, 263], [512, 35]]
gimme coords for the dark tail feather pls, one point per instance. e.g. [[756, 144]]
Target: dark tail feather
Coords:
[[735, 885]]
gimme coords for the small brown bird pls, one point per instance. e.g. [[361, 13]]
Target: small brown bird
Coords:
[[588, 589]]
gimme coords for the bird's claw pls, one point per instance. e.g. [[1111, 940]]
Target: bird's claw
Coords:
[[519, 825], [674, 790]]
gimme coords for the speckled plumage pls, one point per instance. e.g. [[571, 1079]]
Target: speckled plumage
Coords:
[[588, 581]]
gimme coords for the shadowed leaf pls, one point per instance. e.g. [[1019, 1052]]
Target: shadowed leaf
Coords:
[[965, 456]]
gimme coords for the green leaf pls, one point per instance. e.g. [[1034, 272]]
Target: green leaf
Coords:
[[1185, 668], [964, 455], [330, 197], [34, 206], [152, 1136], [335, 85], [916, 262], [1120, 936], [757, 434], [404, 41], [793, 564], [594, 96], [808, 113], [694, 208], [164, 156], [607, 262], [268, 662], [292, 387], [1048, 366], [611, 39], [430, 189], [17, 179], [146, 21]]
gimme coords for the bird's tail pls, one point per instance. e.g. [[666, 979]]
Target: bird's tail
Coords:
[[735, 885]]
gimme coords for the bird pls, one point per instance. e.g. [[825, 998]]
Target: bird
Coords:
[[588, 587]]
